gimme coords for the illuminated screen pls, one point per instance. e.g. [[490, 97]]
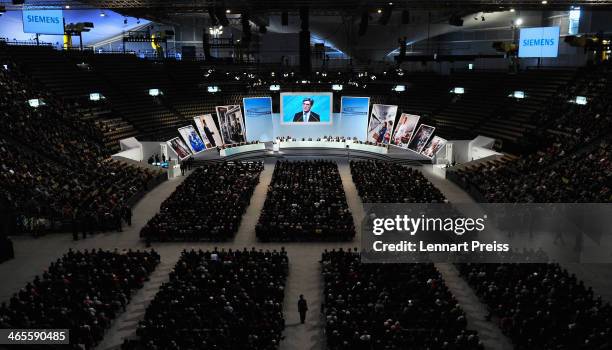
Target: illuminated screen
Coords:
[[43, 21], [231, 124], [258, 118], [539, 42], [303, 108], [179, 147]]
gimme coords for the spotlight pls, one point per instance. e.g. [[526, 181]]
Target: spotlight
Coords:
[[512, 10], [337, 87], [379, 11], [67, 7], [102, 14], [518, 22], [544, 2], [228, 11], [399, 88], [275, 87]]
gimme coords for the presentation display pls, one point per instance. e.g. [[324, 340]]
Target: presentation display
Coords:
[[405, 129], [231, 124], [381, 123], [354, 113], [39, 21], [258, 118], [421, 137], [208, 130], [192, 139], [306, 107], [179, 147], [433, 147], [539, 42]]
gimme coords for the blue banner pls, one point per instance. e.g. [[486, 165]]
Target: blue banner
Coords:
[[43, 21]]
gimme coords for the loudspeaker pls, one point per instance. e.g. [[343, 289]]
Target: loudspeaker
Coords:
[[305, 64], [285, 18], [405, 17]]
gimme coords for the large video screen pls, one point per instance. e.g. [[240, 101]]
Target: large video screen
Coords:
[[179, 147], [421, 137], [258, 118], [539, 42], [405, 129], [208, 130], [433, 147], [192, 139], [231, 124], [43, 21], [381, 123], [354, 116], [303, 108]]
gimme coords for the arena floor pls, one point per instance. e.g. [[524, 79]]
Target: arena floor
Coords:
[[33, 255]]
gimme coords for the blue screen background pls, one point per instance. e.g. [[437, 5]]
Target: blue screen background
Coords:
[[293, 104]]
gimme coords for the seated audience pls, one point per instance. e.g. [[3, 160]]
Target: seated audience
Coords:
[[82, 292], [305, 202], [390, 306], [542, 306], [218, 299], [385, 182], [208, 205]]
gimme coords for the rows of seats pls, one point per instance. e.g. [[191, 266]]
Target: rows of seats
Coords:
[[218, 300], [541, 306], [305, 202], [83, 291], [386, 182], [390, 306], [56, 168], [208, 205]]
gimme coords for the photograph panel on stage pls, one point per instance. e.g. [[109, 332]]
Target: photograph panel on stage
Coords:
[[192, 139], [231, 124], [354, 116], [405, 129], [258, 118], [433, 147], [179, 147], [421, 137], [306, 108], [208, 130], [380, 127]]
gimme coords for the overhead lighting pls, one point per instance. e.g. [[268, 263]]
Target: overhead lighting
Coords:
[[512, 10], [581, 100], [399, 88], [470, 66], [274, 87], [518, 21], [96, 96], [458, 90], [379, 11], [518, 94], [544, 2], [154, 92], [35, 102], [102, 14], [212, 89], [228, 11], [337, 87], [67, 7]]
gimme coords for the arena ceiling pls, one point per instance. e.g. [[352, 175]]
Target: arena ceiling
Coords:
[[318, 7]]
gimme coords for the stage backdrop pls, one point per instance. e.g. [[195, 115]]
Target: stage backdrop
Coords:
[[258, 118], [354, 116], [231, 124], [381, 125]]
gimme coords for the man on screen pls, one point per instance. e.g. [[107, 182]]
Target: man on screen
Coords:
[[306, 115]]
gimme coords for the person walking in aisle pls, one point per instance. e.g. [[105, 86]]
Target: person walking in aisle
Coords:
[[302, 308]]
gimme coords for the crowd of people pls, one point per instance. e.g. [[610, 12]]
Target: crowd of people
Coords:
[[390, 306], [218, 299], [208, 205], [542, 306], [557, 171], [56, 170], [83, 291], [386, 182], [305, 202]]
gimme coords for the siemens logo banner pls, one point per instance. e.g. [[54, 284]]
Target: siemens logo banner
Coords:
[[539, 42], [43, 21]]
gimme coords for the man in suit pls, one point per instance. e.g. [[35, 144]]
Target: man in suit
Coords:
[[306, 115]]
